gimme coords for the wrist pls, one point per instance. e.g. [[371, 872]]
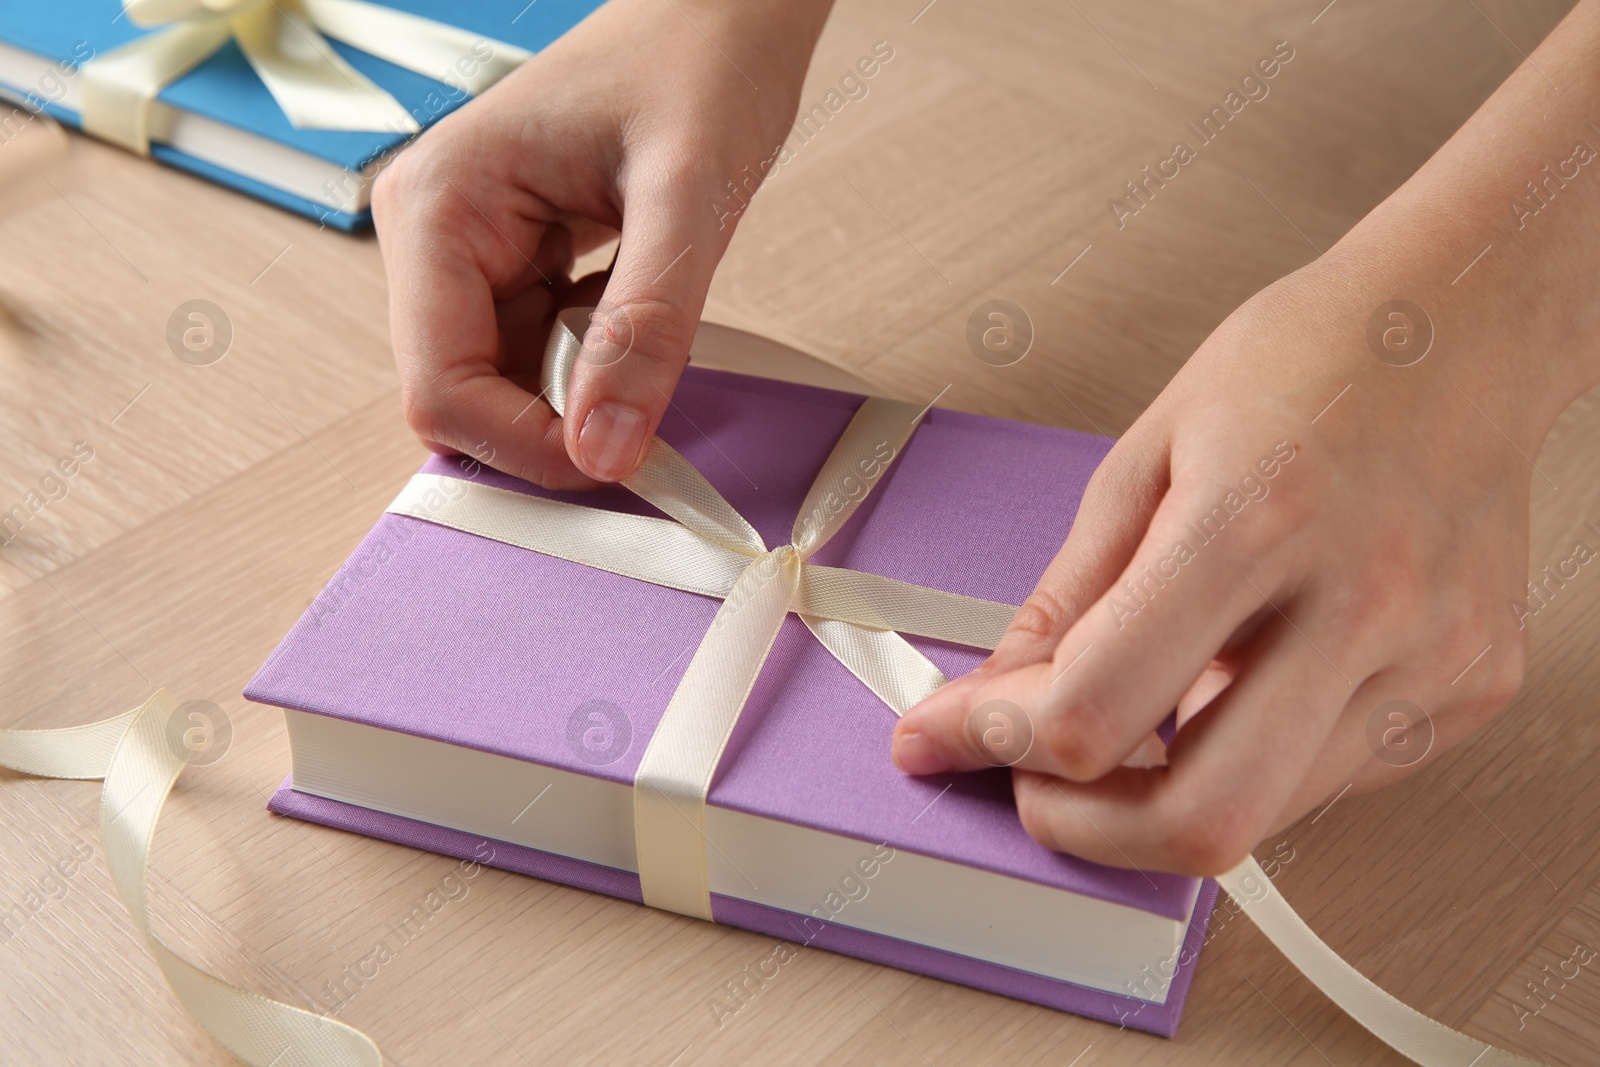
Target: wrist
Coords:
[[1495, 236], [781, 32], [1495, 319]]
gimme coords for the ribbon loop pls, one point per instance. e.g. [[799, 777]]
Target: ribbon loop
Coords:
[[314, 85], [859, 458], [665, 478], [671, 483]]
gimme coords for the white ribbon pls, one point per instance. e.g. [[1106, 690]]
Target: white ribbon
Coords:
[[285, 44]]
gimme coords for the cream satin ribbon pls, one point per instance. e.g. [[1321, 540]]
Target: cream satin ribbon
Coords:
[[136, 755], [708, 549], [285, 44], [854, 615]]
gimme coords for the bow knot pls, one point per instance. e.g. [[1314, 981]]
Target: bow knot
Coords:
[[149, 13], [851, 613]]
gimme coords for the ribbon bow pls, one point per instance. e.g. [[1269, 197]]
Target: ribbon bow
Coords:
[[708, 547], [286, 43]]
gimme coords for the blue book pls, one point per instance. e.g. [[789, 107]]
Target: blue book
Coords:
[[220, 122]]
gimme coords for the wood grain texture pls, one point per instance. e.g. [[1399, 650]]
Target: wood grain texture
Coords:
[[220, 499]]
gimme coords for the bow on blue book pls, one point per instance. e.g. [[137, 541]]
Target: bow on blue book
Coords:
[[219, 119]]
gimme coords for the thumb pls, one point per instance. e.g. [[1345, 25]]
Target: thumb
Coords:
[[638, 338]]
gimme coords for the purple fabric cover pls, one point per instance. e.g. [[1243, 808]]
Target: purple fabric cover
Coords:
[[438, 633], [1160, 1019]]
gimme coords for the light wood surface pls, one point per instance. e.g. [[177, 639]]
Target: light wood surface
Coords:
[[219, 499]]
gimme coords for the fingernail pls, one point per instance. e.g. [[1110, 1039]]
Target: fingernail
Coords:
[[913, 753], [610, 440]]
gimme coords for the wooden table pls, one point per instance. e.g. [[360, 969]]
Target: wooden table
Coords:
[[219, 499]]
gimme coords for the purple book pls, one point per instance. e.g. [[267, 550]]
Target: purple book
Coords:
[[469, 697]]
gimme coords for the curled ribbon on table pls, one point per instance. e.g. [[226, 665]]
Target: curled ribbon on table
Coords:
[[286, 43], [134, 753], [705, 547]]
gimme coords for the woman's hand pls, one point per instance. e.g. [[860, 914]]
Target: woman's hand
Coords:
[[638, 119], [1328, 567], [1324, 516]]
